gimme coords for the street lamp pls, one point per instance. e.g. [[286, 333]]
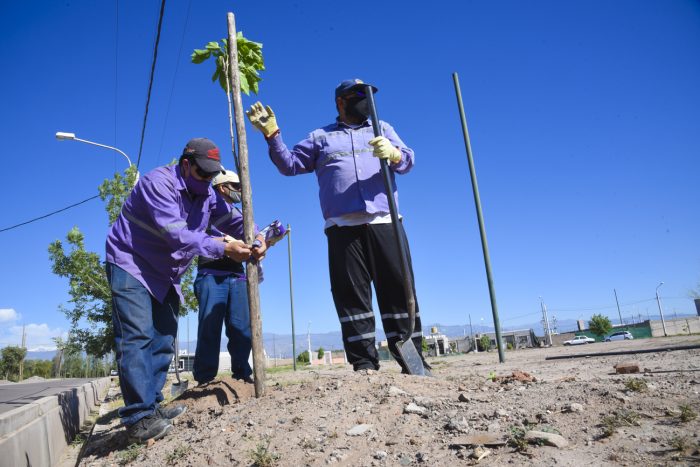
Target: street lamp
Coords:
[[661, 312], [63, 136]]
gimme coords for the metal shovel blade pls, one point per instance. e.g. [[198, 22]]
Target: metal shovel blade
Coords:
[[178, 388], [411, 358]]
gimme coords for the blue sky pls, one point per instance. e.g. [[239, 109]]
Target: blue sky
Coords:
[[583, 118]]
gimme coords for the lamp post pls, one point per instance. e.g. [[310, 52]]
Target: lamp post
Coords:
[[63, 136], [661, 312]]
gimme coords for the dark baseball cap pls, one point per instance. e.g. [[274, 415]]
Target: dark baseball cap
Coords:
[[351, 85], [205, 154]]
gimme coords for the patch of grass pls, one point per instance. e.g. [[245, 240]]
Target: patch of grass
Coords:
[[78, 440], [180, 452], [280, 369], [129, 455], [680, 443], [636, 385], [516, 439], [262, 456], [491, 376], [687, 413], [611, 423]]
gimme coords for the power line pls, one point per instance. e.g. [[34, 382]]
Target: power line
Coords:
[[143, 130], [49, 214], [150, 80], [172, 87]]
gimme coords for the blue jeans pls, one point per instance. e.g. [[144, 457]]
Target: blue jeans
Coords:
[[144, 333], [222, 300]]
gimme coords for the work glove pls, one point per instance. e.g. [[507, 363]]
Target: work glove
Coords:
[[383, 149], [263, 119]]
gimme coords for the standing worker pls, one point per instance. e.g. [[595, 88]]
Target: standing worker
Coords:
[[221, 291], [361, 242], [160, 230]]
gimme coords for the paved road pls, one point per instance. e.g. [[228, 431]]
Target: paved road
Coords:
[[13, 395]]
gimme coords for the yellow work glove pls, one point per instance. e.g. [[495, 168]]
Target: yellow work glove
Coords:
[[383, 149], [263, 119]]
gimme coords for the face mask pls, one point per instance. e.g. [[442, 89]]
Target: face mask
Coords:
[[357, 108], [196, 187], [235, 196]]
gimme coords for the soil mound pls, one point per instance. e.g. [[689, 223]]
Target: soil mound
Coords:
[[216, 394]]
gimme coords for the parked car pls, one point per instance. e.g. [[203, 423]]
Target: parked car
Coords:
[[114, 373], [619, 336], [579, 340]]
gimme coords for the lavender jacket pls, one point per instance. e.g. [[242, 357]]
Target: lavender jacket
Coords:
[[161, 229], [349, 176]]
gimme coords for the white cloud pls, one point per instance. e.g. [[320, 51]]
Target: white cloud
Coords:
[[8, 314], [37, 335]]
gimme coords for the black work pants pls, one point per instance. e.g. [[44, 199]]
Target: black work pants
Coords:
[[358, 256]]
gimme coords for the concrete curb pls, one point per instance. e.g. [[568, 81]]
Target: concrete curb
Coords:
[[36, 434]]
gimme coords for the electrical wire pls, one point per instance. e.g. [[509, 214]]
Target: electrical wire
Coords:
[[172, 87], [49, 214], [143, 129], [150, 80]]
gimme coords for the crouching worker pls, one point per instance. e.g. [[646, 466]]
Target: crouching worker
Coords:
[[221, 290], [160, 230]]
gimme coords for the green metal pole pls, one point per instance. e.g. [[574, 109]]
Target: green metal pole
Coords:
[[291, 295], [482, 229]]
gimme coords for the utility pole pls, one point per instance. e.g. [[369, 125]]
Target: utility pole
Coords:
[[545, 323], [308, 340], [471, 334], [618, 307], [661, 311], [24, 346], [274, 349]]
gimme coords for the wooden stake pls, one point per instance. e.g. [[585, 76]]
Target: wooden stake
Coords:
[[247, 205]]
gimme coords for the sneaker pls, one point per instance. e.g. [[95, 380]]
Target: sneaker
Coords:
[[171, 412], [149, 427], [245, 379]]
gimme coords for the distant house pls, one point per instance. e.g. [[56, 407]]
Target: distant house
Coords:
[[438, 343], [517, 339]]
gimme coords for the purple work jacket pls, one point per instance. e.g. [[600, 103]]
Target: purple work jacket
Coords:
[[161, 229], [349, 176]]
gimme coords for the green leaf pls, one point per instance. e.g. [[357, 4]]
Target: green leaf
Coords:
[[244, 84], [213, 46], [222, 81], [198, 56]]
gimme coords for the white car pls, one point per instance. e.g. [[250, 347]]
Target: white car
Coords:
[[619, 336], [579, 340]]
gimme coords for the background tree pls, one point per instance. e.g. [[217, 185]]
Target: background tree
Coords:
[[484, 343], [303, 357], [321, 353], [599, 325], [11, 357]]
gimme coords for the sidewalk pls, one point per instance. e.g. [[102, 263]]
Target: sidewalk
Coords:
[[37, 433]]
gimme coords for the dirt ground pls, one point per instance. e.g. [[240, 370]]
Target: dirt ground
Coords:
[[473, 407]]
